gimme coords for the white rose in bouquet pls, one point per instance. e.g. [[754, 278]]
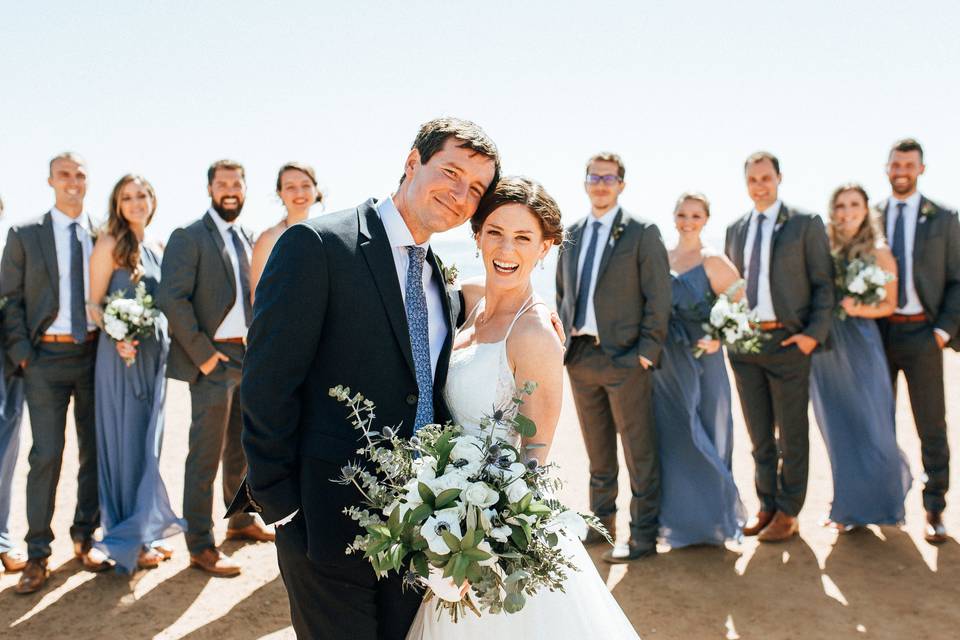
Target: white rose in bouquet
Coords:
[[516, 490], [719, 312], [115, 328], [480, 494], [857, 285]]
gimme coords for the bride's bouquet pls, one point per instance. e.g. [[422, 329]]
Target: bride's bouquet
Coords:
[[733, 324], [126, 319], [862, 280], [448, 507]]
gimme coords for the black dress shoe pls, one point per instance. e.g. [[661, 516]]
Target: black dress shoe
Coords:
[[935, 532], [623, 553]]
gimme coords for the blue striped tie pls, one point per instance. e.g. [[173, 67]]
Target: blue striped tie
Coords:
[[416, 304], [78, 306]]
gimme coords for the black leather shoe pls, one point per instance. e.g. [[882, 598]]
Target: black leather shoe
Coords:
[[623, 553], [935, 532]]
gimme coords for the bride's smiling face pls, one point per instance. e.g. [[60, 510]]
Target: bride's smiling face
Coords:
[[511, 242]]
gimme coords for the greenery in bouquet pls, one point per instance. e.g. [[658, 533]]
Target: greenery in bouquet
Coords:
[[733, 323], [126, 319], [860, 279], [450, 507]]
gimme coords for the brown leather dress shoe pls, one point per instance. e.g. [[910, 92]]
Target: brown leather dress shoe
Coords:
[[254, 532], [594, 537], [214, 562], [935, 532], [34, 576], [163, 550], [149, 559], [780, 529], [13, 560], [756, 525]]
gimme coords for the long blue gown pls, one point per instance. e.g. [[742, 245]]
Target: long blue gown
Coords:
[[699, 501], [134, 507], [854, 405], [11, 414]]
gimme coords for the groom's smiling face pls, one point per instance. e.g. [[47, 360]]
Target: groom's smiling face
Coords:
[[445, 191]]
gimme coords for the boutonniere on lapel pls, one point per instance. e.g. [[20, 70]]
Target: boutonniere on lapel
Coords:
[[781, 218], [450, 274], [926, 211], [616, 232]]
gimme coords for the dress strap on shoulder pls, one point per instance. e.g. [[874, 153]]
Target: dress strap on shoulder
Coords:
[[529, 304], [473, 311]]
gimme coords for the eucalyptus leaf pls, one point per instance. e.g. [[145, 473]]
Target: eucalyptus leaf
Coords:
[[514, 602]]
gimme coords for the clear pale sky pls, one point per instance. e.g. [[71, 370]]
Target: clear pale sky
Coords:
[[683, 91]]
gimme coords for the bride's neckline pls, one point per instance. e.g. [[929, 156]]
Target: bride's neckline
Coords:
[[526, 306]]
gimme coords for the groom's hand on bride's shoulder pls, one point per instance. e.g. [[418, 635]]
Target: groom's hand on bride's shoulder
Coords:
[[558, 327]]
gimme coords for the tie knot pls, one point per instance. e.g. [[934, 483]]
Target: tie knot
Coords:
[[596, 226], [761, 218], [417, 253], [901, 206]]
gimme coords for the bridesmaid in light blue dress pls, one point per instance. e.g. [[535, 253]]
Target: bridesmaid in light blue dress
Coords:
[[850, 385], [700, 503], [134, 507]]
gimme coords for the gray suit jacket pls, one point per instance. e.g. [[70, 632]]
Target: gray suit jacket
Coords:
[[801, 271], [30, 281], [936, 264], [632, 299], [197, 289]]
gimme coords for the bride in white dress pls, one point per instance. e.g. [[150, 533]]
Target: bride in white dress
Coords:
[[508, 340]]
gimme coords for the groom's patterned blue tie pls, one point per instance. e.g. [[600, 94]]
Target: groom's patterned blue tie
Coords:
[[753, 274], [416, 303], [899, 249]]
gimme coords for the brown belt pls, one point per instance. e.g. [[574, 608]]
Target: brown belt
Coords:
[[66, 338], [771, 325], [233, 340], [899, 318]]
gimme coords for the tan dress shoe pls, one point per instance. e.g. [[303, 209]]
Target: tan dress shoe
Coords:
[[780, 529], [254, 532], [13, 560], [756, 525], [149, 559], [935, 532], [90, 557], [163, 550], [214, 562], [34, 576]]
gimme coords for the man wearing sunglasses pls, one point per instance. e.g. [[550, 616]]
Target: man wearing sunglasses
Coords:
[[613, 297]]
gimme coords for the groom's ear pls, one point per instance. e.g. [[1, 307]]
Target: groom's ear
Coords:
[[413, 161]]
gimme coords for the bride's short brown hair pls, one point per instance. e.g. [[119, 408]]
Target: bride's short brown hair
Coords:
[[529, 193]]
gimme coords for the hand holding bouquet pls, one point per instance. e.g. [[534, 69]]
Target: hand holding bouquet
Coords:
[[733, 324], [861, 280], [126, 319], [468, 507]]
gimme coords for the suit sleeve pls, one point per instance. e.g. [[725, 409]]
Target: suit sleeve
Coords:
[[948, 317], [288, 316], [728, 243], [12, 271], [820, 273], [178, 279], [655, 285], [559, 278]]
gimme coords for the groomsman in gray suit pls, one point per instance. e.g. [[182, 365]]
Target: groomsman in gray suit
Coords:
[[925, 239], [51, 342], [613, 297], [785, 257], [205, 294]]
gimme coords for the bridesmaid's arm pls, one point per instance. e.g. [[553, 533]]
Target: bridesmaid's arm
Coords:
[[261, 251], [722, 275], [535, 354], [101, 269], [888, 305]]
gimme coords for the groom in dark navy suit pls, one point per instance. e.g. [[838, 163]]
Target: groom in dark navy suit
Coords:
[[356, 298]]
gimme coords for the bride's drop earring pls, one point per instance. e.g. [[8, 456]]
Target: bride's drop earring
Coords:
[[477, 254]]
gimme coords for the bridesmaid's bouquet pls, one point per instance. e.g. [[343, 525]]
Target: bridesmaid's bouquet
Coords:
[[126, 319], [733, 324], [862, 280], [467, 516]]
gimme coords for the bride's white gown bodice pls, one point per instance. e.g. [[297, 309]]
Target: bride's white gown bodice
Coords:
[[479, 381]]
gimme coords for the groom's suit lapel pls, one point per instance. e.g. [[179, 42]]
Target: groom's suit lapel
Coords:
[[440, 375], [379, 257], [620, 219]]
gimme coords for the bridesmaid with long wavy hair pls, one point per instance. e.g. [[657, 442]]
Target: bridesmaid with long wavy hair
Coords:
[[850, 384], [297, 189], [134, 507]]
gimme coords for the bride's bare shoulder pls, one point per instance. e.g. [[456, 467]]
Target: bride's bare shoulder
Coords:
[[534, 335]]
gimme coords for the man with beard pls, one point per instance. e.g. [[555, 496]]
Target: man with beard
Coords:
[[205, 294], [925, 239]]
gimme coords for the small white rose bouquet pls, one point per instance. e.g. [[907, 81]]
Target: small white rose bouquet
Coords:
[[126, 319], [444, 508], [862, 280], [733, 324]]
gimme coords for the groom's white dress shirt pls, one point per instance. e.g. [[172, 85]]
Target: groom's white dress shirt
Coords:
[[764, 308]]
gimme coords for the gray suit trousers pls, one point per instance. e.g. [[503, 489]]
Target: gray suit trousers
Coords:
[[615, 400], [214, 435], [56, 373]]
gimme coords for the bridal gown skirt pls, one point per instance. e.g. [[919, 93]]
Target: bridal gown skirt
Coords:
[[586, 609]]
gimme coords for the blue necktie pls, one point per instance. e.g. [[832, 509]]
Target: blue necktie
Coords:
[[586, 275], [753, 277], [244, 275], [78, 307], [416, 304], [900, 253]]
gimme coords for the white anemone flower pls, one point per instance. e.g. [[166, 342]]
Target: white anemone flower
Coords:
[[433, 528]]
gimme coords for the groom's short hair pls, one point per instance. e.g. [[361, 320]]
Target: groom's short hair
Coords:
[[434, 134]]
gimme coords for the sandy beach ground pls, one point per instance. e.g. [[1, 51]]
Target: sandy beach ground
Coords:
[[877, 583]]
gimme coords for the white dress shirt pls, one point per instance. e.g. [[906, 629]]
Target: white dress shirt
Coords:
[[764, 308], [911, 213], [234, 325], [61, 237], [589, 327], [400, 238]]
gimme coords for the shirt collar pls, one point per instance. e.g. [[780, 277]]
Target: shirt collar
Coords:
[[63, 221], [606, 220], [222, 224], [771, 213], [398, 234], [913, 202]]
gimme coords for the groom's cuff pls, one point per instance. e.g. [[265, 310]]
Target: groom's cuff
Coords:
[[283, 521], [943, 334]]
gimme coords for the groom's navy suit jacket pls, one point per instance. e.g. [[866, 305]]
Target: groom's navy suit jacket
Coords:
[[328, 311]]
